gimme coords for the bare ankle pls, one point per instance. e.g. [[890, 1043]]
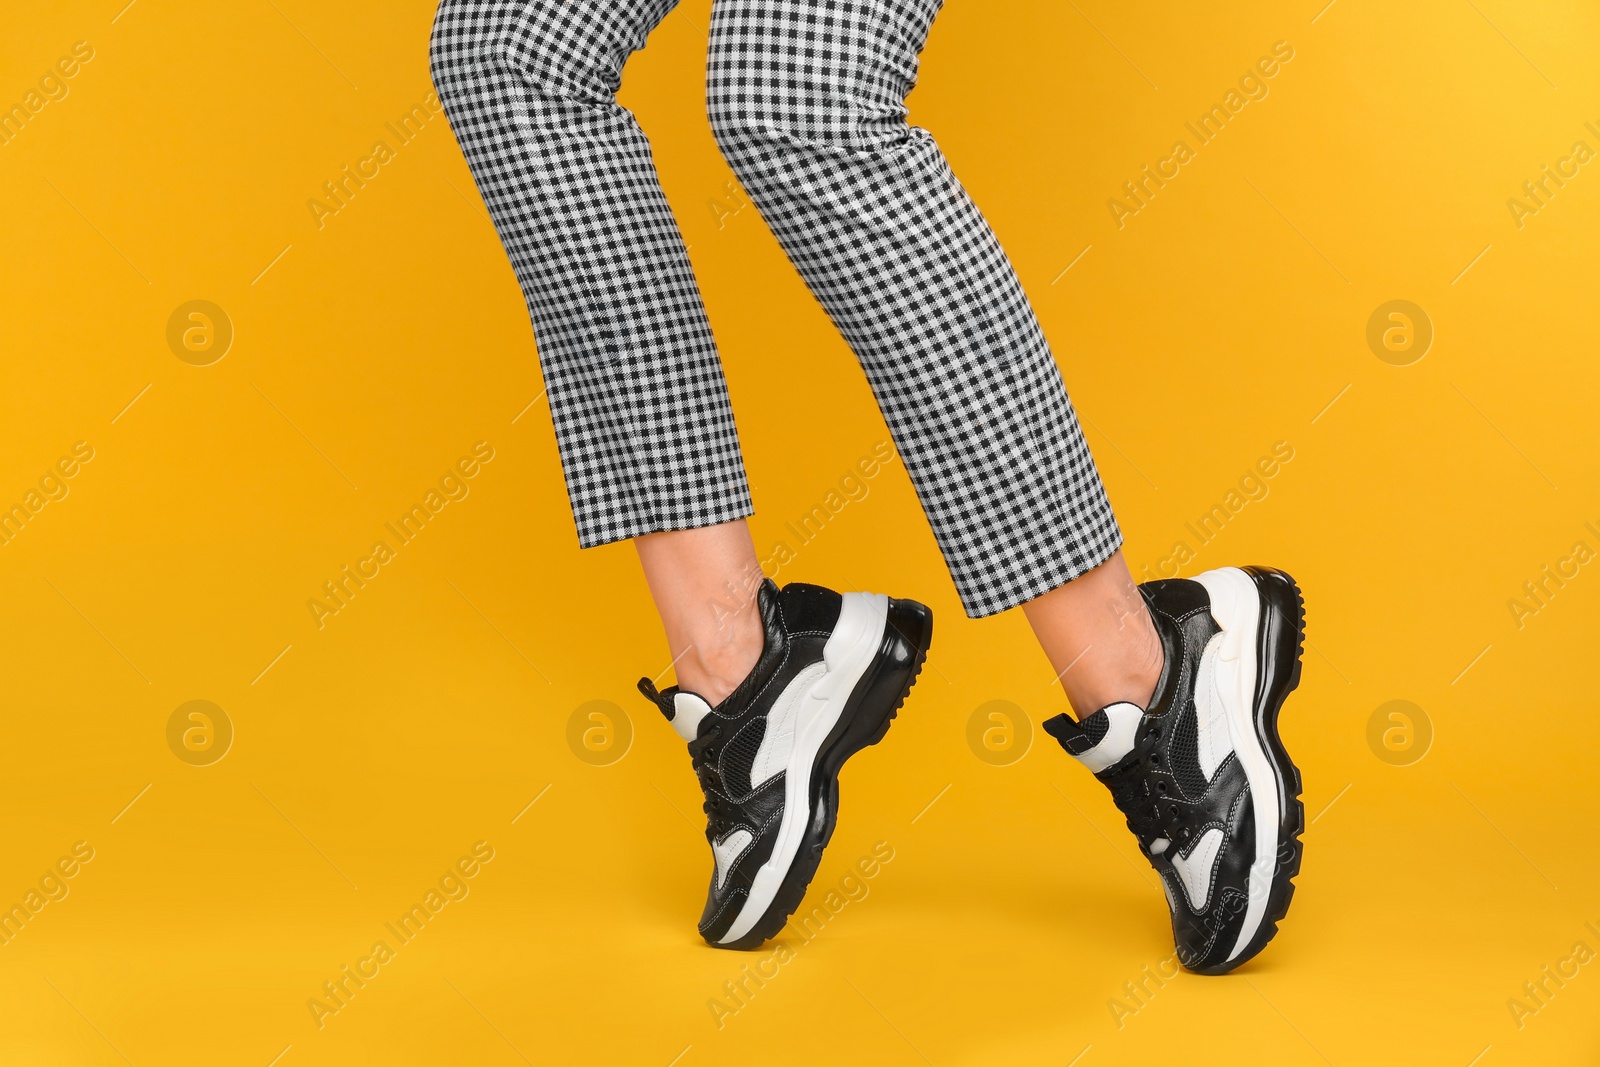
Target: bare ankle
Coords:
[[714, 667], [1133, 680], [1099, 635]]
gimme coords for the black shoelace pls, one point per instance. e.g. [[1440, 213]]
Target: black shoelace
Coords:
[[703, 757], [1151, 814]]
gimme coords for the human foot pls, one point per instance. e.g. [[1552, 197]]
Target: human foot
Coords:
[[832, 672], [1202, 775]]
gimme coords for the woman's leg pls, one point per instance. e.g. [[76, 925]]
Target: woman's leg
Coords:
[[807, 100], [634, 381], [1178, 701], [1099, 637], [704, 584], [778, 688]]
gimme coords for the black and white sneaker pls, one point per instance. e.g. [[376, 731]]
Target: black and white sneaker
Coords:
[[834, 670], [1202, 775]]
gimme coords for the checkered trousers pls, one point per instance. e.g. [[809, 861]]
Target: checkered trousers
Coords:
[[807, 102]]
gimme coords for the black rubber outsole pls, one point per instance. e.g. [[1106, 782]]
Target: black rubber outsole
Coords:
[[873, 705], [1281, 636]]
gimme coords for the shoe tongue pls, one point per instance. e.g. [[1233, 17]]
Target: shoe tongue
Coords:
[[1100, 740], [687, 711], [683, 710]]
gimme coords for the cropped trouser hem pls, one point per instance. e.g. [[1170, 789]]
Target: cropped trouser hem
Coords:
[[807, 102]]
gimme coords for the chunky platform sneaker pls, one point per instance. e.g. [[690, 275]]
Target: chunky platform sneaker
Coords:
[[833, 672], [1202, 775]]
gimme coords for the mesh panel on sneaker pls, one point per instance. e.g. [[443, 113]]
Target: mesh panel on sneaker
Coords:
[[809, 608], [1094, 728], [739, 754], [1184, 754]]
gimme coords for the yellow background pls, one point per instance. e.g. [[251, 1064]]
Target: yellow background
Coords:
[[425, 716]]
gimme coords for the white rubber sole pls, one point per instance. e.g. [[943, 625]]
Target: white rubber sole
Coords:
[[850, 650], [1236, 606]]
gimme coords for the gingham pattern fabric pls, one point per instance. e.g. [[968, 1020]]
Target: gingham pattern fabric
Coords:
[[635, 386], [807, 101]]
